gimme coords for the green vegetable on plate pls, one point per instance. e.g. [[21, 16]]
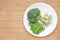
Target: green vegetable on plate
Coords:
[[36, 28], [34, 16]]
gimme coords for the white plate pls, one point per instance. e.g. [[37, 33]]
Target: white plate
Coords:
[[43, 8]]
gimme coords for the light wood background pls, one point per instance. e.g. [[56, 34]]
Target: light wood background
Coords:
[[11, 20]]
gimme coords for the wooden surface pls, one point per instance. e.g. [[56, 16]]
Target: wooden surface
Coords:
[[11, 20]]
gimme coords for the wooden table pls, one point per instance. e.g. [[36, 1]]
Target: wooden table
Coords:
[[11, 20]]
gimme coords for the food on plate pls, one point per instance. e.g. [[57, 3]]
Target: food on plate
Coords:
[[46, 19], [34, 16], [36, 28]]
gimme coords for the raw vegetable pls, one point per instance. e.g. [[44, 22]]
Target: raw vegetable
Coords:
[[46, 19], [33, 17], [33, 14], [36, 28]]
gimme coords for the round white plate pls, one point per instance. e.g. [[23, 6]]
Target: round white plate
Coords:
[[43, 8]]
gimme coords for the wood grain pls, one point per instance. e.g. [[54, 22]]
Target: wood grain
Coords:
[[11, 20]]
